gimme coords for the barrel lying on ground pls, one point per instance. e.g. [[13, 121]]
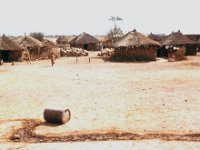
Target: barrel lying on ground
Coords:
[[57, 116]]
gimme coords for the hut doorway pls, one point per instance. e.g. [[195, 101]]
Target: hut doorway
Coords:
[[5, 56], [85, 46]]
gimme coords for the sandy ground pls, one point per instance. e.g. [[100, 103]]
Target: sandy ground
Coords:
[[104, 97]]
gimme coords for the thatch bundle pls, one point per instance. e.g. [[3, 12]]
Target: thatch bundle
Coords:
[[135, 46], [74, 52]]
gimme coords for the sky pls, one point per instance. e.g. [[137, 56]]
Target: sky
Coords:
[[72, 17]]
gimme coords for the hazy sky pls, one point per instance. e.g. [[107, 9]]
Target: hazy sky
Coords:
[[75, 16]]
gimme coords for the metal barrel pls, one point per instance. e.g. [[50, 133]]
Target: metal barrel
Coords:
[[57, 116]]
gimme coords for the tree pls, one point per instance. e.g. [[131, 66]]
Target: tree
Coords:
[[38, 35], [116, 32]]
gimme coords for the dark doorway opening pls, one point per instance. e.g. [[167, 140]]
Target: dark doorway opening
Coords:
[[5, 56], [85, 46]]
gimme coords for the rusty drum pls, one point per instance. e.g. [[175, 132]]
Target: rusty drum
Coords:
[[57, 116]]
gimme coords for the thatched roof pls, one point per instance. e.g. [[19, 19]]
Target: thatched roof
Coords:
[[175, 39], [8, 44], [194, 37], [28, 41], [49, 44], [84, 38], [135, 38], [62, 39], [157, 37]]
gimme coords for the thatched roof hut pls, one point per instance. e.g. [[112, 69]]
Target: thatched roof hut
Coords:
[[85, 41], [62, 40], [136, 46], [33, 45], [10, 50], [177, 39]]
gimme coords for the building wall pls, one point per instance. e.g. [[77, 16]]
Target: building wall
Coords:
[[191, 50], [0, 56], [12, 55], [15, 55], [136, 54]]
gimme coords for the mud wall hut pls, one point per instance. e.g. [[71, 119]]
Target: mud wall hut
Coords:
[[135, 46], [10, 50], [63, 42], [32, 45], [85, 41], [177, 39]]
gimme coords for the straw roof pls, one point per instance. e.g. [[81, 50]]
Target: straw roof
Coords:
[[62, 39], [194, 37], [28, 41], [8, 44], [176, 38], [135, 38], [157, 37], [84, 38], [49, 44]]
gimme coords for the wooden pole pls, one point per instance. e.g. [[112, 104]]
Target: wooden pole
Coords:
[[38, 52]]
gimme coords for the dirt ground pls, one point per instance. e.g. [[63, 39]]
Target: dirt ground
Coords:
[[154, 104]]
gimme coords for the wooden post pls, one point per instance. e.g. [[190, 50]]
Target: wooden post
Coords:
[[38, 52], [89, 59]]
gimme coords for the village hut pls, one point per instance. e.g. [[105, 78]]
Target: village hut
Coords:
[[33, 45], [48, 48], [177, 39], [135, 46], [63, 42], [85, 41], [10, 50]]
